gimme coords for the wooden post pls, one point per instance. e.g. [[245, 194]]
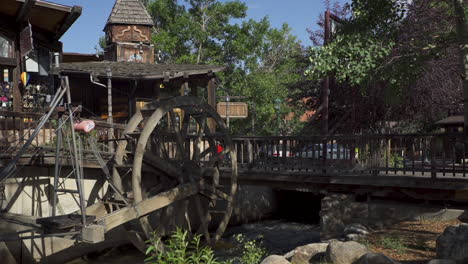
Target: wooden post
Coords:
[[326, 81], [212, 101], [433, 158], [110, 120], [17, 98], [462, 29]]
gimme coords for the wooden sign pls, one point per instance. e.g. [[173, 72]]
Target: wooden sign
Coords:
[[26, 41], [238, 110]]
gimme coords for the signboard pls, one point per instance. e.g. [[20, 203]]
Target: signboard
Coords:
[[32, 62], [332, 24], [26, 41], [335, 24], [236, 110]]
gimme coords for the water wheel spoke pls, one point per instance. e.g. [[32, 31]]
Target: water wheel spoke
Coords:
[[162, 165], [185, 125], [178, 135], [207, 151], [216, 194], [201, 128], [205, 218]]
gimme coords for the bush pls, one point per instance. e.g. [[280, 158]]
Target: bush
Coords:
[[180, 250], [252, 251]]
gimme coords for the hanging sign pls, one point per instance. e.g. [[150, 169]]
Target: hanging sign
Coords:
[[25, 78], [235, 110], [26, 41]]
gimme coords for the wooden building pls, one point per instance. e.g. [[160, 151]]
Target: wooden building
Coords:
[[29, 36], [128, 33], [133, 84], [129, 68]]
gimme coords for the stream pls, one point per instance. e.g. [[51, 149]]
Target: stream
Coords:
[[276, 236]]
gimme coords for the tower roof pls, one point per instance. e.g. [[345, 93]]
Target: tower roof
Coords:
[[129, 12]]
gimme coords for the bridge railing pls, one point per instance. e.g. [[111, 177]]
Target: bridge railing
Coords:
[[423, 155]]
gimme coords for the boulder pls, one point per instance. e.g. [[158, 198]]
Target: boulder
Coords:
[[464, 217], [375, 258], [345, 252], [275, 259], [356, 229], [303, 254], [453, 243], [441, 261]]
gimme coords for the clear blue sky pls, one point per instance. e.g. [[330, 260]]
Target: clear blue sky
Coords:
[[84, 34]]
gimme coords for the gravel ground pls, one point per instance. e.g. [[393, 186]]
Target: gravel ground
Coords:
[[409, 242]]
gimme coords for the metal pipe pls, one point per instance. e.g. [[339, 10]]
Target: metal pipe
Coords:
[[75, 155], [56, 59], [57, 165]]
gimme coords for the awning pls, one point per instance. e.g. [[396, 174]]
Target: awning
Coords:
[[136, 71], [50, 18]]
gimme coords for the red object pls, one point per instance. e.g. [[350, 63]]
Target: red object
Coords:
[[219, 148], [85, 126]]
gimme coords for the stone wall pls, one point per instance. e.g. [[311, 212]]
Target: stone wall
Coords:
[[340, 210]]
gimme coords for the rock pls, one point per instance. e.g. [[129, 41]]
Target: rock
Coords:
[[353, 237], [275, 259], [345, 252], [303, 254], [375, 258], [356, 229], [464, 217], [441, 261], [453, 243]]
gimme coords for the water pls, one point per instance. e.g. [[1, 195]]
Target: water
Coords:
[[276, 236]]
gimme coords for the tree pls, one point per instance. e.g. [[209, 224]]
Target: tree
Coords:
[[401, 56], [260, 60]]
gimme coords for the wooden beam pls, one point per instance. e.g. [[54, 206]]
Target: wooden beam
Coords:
[[149, 205], [25, 9], [8, 61], [75, 13]]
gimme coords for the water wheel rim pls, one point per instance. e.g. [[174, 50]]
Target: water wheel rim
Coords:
[[161, 109]]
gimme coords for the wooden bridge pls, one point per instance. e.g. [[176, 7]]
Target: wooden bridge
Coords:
[[178, 163], [436, 162]]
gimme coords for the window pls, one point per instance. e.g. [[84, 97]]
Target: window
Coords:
[[6, 48]]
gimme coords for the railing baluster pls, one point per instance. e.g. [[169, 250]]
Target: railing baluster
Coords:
[[454, 155], [464, 156], [413, 155]]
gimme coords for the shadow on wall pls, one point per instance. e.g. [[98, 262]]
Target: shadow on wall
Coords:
[[253, 203], [297, 206]]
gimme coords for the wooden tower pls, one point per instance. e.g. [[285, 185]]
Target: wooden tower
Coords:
[[128, 33]]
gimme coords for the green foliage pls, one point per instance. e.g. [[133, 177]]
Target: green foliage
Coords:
[[351, 58], [180, 249], [252, 251], [262, 62], [361, 45], [394, 160], [394, 243]]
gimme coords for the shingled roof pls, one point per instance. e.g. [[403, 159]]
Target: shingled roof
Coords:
[[136, 71], [129, 12]]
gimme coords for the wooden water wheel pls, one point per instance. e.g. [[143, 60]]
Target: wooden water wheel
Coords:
[[173, 142]]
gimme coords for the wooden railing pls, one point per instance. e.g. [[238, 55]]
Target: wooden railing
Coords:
[[17, 127], [423, 155]]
